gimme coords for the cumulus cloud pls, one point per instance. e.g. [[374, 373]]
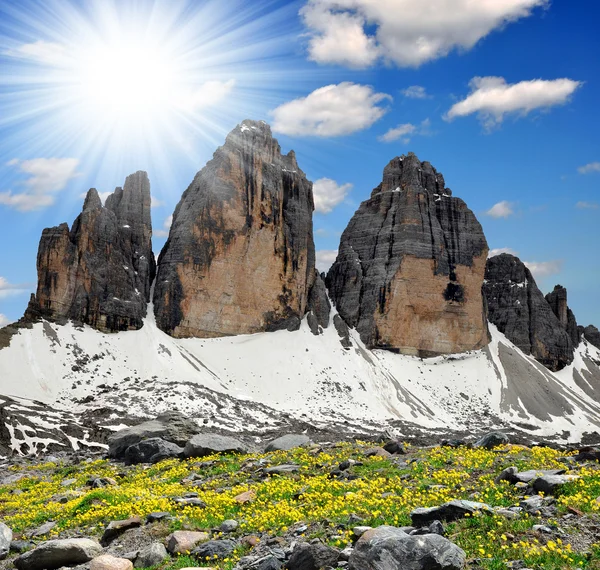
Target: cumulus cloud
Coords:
[[359, 33], [46, 177], [499, 250], [9, 289], [406, 131], [415, 92], [4, 320], [589, 168], [156, 203], [164, 232], [328, 194], [325, 259], [331, 111], [502, 209], [586, 205], [48, 53], [207, 95], [542, 269], [492, 98]]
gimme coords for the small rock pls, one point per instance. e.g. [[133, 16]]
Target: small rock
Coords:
[[542, 528], [190, 502], [282, 469], [549, 484], [395, 448], [507, 474], [58, 553], [270, 563], [151, 555], [41, 530], [491, 440], [152, 450], [250, 541], [360, 530], [116, 528], [214, 549], [108, 562], [205, 444], [182, 541], [21, 546], [377, 451], [451, 511], [312, 557], [245, 497], [6, 537], [68, 482], [229, 525], [157, 517], [287, 442]]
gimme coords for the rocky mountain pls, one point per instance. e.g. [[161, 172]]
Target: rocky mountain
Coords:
[[593, 335], [527, 318], [558, 303], [410, 266], [240, 257], [100, 271]]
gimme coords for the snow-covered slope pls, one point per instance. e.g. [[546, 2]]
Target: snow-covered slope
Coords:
[[260, 382]]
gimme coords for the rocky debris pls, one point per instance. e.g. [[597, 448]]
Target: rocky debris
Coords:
[[152, 450], [204, 444], [521, 312], [410, 266], [319, 307], [343, 331], [539, 506], [6, 537], [492, 439], [100, 271], [58, 553], [116, 528], [592, 334], [389, 548], [109, 562], [287, 442], [240, 257], [557, 300], [182, 541], [151, 555], [550, 484], [214, 549], [448, 512], [229, 525], [312, 557], [512, 474], [171, 426]]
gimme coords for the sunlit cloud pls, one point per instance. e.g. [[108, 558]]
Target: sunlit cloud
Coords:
[[543, 269], [164, 231], [589, 168], [328, 194], [325, 259], [415, 92], [10, 289], [587, 206], [502, 209], [405, 132]]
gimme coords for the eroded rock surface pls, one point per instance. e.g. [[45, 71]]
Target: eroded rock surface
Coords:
[[592, 334], [520, 311], [240, 256], [99, 271], [410, 266], [557, 300]]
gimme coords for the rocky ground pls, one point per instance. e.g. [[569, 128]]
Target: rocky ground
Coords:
[[169, 497]]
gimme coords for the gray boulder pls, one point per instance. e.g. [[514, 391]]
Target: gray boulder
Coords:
[[171, 426], [287, 442], [152, 450], [450, 511], [214, 549], [389, 548], [313, 557], [6, 537], [58, 553], [550, 484], [204, 444], [151, 555], [117, 528], [492, 439]]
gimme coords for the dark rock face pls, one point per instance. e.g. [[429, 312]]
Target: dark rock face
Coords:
[[100, 271], [592, 334], [520, 311], [240, 256], [558, 303], [410, 266]]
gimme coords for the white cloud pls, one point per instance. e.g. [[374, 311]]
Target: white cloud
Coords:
[[406, 32], [48, 53], [156, 203], [328, 194], [331, 111], [325, 259], [499, 250], [542, 269], [47, 177], [9, 289], [207, 95], [4, 320], [492, 98], [164, 232], [586, 205], [589, 168], [406, 131], [415, 92], [502, 209]]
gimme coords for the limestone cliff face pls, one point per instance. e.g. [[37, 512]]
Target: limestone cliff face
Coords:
[[100, 271], [520, 311], [240, 256], [557, 300], [410, 266], [592, 334]]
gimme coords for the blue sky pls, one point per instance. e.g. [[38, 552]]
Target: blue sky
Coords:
[[502, 98]]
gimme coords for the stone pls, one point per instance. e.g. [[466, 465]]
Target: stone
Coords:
[[450, 511], [21, 546], [6, 537], [287, 442], [190, 502], [250, 541], [116, 528], [170, 426], [360, 530], [245, 497], [395, 448], [214, 549], [240, 257], [528, 476], [549, 484], [109, 562], [410, 266], [319, 307], [270, 563], [283, 469], [592, 335], [151, 555], [58, 553], [508, 474], [229, 525], [312, 557], [42, 530], [152, 450], [491, 440], [389, 548], [204, 444], [99, 271], [182, 541], [521, 312], [157, 517]]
